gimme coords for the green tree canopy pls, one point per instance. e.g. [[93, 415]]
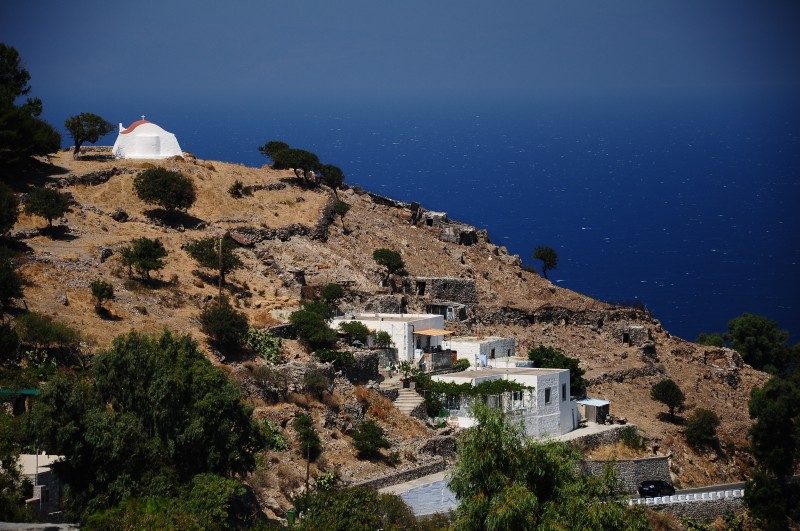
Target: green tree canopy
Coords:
[[760, 342], [86, 127], [353, 509], [369, 438], [101, 291], [207, 253], [355, 330], [144, 255], [168, 189], [47, 203], [506, 480], [13, 485], [389, 259], [155, 415], [775, 443], [285, 157], [310, 444], [331, 292], [710, 340], [553, 358], [9, 208], [22, 133], [311, 322], [226, 326], [668, 393], [548, 256]]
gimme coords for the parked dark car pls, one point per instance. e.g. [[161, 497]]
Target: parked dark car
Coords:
[[651, 489]]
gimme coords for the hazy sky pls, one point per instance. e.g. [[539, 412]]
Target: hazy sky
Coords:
[[240, 50]]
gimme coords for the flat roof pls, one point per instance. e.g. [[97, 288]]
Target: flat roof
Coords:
[[27, 462], [500, 371], [479, 339], [391, 317], [593, 402]]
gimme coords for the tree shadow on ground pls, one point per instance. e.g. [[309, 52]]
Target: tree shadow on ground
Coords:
[[231, 354], [16, 246], [106, 315], [174, 220], [666, 417], [58, 232], [137, 283], [32, 172]]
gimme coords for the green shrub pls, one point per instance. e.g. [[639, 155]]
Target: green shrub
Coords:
[[311, 323], [668, 393], [461, 364], [274, 438], [553, 358], [101, 291], [47, 203], [144, 255], [224, 325], [382, 339], [310, 444], [332, 292], [236, 189], [340, 359], [168, 189], [265, 344], [701, 427], [316, 382], [326, 481], [369, 438], [630, 437], [39, 331], [355, 330]]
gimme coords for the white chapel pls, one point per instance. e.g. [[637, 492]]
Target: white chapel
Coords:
[[145, 140]]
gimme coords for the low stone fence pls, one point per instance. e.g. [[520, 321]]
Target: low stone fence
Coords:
[[403, 476], [699, 506], [603, 438]]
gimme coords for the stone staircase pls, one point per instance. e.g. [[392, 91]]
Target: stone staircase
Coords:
[[407, 400]]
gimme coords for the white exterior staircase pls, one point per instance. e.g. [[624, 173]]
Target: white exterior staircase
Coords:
[[407, 400]]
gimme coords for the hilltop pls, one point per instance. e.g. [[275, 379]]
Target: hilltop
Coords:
[[292, 242]]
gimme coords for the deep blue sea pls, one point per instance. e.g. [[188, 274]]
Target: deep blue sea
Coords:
[[689, 203]]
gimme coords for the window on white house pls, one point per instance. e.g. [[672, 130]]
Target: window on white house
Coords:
[[547, 395]]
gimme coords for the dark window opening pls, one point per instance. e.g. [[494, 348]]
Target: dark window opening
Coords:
[[563, 392], [547, 395], [626, 338], [420, 288]]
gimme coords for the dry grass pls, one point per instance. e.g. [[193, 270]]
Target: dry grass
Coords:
[[616, 451]]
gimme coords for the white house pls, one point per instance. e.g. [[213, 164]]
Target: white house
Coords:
[[481, 351], [546, 410], [412, 333], [145, 140]]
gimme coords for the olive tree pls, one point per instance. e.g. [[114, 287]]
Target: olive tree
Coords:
[[86, 127], [548, 256], [168, 189], [668, 393], [47, 203]]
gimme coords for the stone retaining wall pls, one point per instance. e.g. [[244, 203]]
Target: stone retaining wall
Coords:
[[631, 472], [703, 510], [403, 476]]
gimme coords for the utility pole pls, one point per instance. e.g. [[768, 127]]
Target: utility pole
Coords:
[[219, 299]]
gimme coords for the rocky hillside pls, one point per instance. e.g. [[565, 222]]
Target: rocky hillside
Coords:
[[292, 242]]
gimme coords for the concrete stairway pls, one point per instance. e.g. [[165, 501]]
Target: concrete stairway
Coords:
[[407, 400]]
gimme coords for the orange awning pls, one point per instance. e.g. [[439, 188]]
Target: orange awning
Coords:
[[433, 332]]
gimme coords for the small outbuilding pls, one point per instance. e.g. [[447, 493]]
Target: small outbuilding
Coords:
[[145, 140], [593, 409]]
